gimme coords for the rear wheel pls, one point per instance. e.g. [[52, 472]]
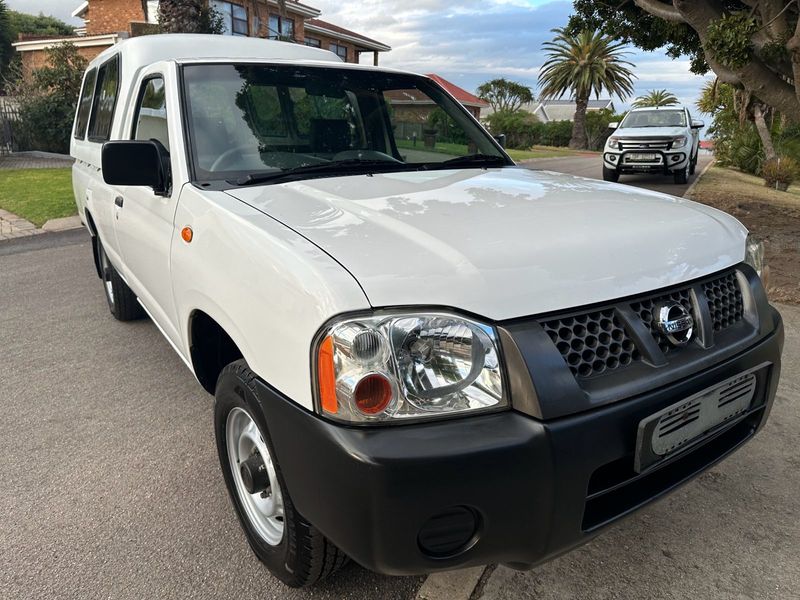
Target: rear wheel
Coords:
[[610, 174], [121, 300], [291, 548]]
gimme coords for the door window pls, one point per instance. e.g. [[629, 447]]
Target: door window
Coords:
[[85, 105], [151, 113], [105, 101]]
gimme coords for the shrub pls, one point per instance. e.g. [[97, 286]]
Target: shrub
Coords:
[[48, 99], [521, 128], [556, 133], [780, 173]]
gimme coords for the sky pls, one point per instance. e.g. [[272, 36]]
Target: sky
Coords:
[[467, 42]]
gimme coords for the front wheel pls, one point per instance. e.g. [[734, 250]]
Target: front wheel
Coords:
[[291, 548], [122, 302], [681, 177], [610, 174], [693, 165]]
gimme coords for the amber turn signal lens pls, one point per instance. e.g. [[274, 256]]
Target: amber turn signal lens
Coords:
[[373, 394], [187, 234], [326, 376]]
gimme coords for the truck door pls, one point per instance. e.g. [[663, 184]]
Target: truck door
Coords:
[[144, 221]]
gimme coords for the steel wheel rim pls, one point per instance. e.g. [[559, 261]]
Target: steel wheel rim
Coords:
[[105, 266], [264, 510]]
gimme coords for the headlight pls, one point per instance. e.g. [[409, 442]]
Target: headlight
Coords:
[[755, 257], [405, 366], [613, 143], [680, 141]]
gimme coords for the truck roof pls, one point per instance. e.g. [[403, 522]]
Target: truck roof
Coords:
[[646, 108], [145, 50]]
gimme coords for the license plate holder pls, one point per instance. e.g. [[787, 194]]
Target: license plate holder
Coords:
[[642, 157], [685, 423]]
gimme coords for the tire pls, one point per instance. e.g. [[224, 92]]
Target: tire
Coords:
[[290, 547], [681, 177], [693, 165], [610, 174], [121, 300]]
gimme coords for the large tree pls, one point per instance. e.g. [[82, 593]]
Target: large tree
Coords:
[[581, 64], [6, 38], [656, 99], [504, 95], [752, 44], [188, 16]]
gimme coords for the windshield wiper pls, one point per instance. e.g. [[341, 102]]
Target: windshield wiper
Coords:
[[487, 160], [328, 167]]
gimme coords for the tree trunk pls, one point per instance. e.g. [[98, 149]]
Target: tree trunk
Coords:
[[579, 139], [764, 133]]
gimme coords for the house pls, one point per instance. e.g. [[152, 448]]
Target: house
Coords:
[[564, 110], [107, 22], [413, 106]]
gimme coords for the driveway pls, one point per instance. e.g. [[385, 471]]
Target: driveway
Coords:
[[110, 479], [111, 487], [592, 167]]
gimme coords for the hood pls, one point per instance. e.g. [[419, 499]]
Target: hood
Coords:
[[502, 243], [649, 132]]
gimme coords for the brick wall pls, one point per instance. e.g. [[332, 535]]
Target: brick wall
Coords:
[[36, 59], [112, 16]]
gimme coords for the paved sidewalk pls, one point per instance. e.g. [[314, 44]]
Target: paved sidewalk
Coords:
[[35, 160], [12, 226]]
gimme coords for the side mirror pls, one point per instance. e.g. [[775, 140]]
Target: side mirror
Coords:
[[698, 124], [139, 163], [613, 125], [501, 139]]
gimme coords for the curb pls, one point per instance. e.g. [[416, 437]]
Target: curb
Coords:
[[451, 585], [688, 193], [17, 227], [63, 224]]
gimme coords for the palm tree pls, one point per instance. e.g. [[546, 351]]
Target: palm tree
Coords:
[[582, 64], [656, 99]]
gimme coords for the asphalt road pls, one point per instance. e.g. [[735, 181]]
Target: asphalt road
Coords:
[[111, 487], [592, 167], [110, 480]]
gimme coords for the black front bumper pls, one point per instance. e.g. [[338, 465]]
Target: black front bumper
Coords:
[[535, 488]]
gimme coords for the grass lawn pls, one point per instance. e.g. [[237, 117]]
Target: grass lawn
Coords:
[[771, 215], [37, 195]]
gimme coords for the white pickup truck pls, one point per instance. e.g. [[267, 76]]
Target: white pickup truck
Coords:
[[662, 140], [423, 357]]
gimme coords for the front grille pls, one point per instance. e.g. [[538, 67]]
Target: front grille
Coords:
[[604, 339], [646, 144], [592, 343], [724, 301], [646, 311]]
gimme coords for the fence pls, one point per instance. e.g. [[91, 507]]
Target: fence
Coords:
[[9, 118]]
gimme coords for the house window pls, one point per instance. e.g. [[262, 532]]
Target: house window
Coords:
[[313, 42], [340, 51], [281, 28], [234, 17]]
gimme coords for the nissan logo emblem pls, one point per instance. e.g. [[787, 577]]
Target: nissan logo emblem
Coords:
[[675, 322]]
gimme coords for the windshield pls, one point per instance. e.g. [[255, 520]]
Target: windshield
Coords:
[[655, 118], [251, 120]]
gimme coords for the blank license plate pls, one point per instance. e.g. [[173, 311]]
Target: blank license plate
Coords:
[[678, 426], [642, 157]]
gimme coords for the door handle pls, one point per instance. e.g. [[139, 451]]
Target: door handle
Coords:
[[119, 201]]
